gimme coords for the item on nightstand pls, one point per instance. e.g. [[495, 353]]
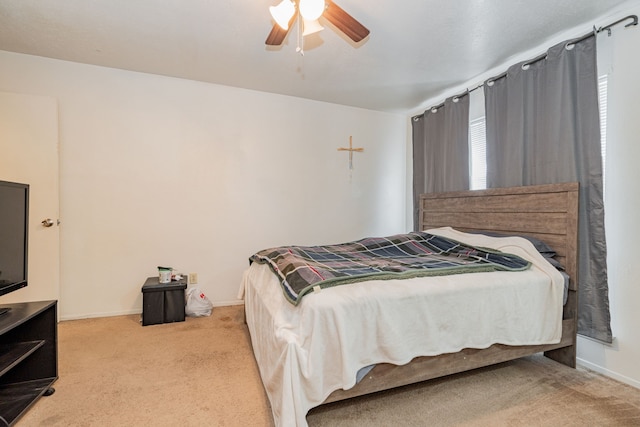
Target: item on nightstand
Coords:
[[198, 305], [164, 274]]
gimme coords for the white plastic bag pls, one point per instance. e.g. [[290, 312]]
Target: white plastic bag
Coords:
[[197, 305]]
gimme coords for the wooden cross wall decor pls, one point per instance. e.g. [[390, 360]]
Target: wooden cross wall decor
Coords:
[[351, 151]]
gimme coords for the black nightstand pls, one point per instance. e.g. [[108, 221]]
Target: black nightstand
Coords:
[[163, 302]]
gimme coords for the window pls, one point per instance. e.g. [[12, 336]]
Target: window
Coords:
[[602, 99], [478, 141], [478, 161]]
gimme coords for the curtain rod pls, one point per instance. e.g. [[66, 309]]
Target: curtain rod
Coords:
[[607, 28]]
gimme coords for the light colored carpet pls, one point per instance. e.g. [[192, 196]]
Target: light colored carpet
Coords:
[[201, 372]]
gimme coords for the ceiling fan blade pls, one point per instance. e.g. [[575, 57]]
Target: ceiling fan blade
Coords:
[[276, 36], [345, 22]]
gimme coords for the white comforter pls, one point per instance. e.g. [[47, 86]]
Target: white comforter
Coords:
[[306, 352]]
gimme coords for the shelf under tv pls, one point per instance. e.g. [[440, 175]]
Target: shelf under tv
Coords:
[[28, 356]]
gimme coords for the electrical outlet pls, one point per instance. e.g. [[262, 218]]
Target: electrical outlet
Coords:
[[193, 278]]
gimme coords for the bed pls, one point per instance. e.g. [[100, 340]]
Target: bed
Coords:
[[317, 352]]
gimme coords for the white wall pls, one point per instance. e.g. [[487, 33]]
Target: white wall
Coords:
[[162, 171], [622, 203]]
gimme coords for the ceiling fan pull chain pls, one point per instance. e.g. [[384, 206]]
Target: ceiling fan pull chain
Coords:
[[300, 48]]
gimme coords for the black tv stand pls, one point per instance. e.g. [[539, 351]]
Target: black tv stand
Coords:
[[28, 356]]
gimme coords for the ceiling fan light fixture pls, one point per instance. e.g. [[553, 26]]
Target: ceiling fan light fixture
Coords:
[[287, 12], [283, 13], [311, 10], [311, 27]]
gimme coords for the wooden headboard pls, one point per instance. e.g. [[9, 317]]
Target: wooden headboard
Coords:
[[546, 212]]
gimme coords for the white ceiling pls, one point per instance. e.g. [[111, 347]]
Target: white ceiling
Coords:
[[416, 49]]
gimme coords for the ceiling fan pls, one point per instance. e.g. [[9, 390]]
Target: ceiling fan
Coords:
[[309, 11]]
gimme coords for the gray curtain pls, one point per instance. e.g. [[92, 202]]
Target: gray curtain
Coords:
[[441, 150], [543, 127]]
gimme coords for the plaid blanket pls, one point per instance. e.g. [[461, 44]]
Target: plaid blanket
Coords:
[[303, 268]]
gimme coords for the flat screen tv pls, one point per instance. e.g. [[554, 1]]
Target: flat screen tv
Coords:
[[14, 235]]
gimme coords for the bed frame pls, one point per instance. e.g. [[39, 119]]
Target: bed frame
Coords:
[[547, 212]]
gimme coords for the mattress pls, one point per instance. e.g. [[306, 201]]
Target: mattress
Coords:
[[306, 352]]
